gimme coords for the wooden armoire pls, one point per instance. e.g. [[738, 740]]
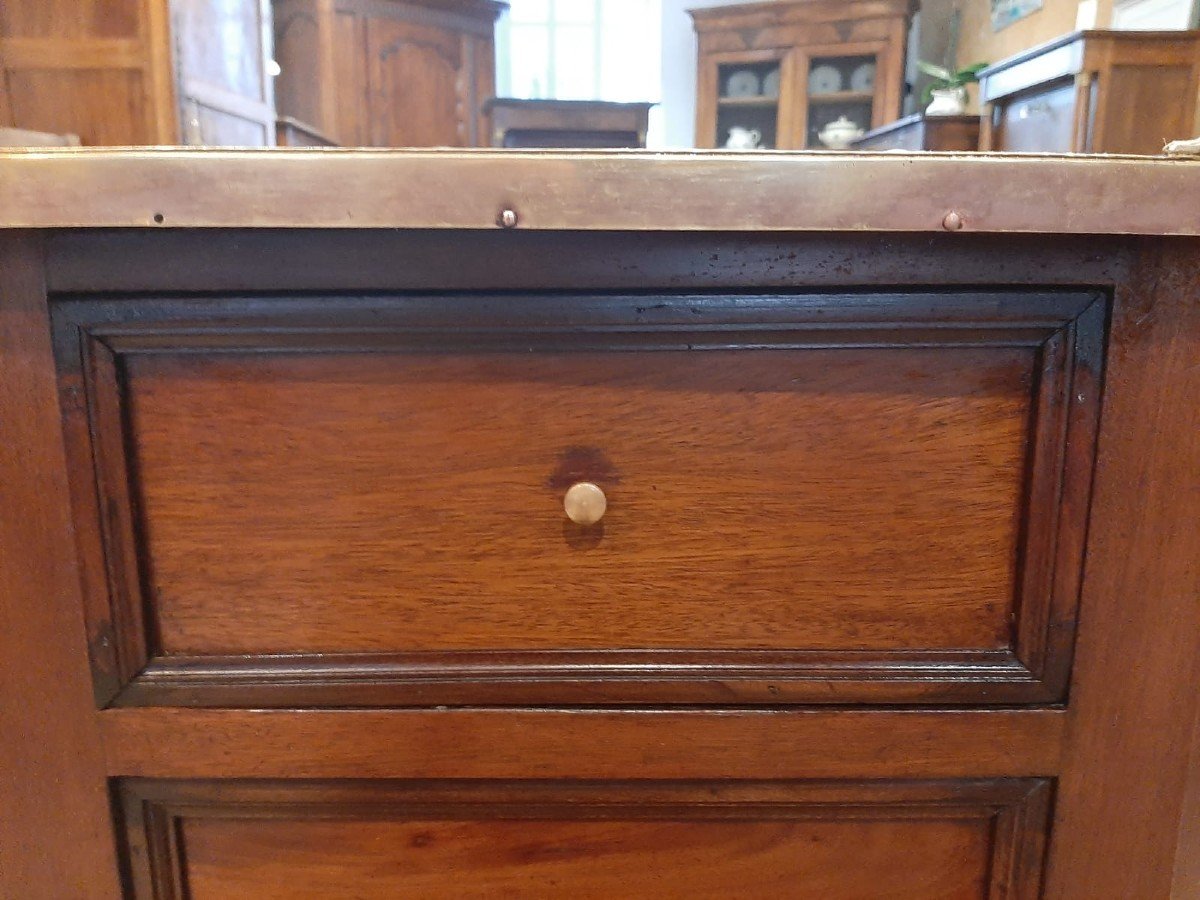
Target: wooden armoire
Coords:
[[388, 73], [138, 71], [788, 68]]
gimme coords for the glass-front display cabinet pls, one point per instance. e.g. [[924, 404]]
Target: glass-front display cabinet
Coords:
[[798, 74]]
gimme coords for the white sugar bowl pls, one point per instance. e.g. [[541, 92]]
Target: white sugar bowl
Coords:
[[838, 135]]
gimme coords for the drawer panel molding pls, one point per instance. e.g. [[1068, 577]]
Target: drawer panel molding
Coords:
[[147, 598], [233, 839]]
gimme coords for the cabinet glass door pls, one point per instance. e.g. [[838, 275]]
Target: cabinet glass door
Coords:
[[839, 87], [748, 104]]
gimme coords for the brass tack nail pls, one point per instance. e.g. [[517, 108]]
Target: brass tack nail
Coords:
[[508, 218], [953, 221]]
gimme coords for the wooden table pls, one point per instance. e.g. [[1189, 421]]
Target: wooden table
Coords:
[[876, 571]]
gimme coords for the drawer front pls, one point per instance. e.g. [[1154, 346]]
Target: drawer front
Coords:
[[359, 502], [1041, 121], [234, 840]]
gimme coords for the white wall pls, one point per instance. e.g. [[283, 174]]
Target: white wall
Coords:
[[678, 111], [1165, 15]]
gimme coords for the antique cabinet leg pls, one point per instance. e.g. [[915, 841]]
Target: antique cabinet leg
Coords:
[[987, 128]]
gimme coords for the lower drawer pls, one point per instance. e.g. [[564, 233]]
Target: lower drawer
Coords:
[[927, 839]]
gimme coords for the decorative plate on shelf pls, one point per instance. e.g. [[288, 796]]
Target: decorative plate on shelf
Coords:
[[863, 77], [770, 84], [743, 83], [824, 80]]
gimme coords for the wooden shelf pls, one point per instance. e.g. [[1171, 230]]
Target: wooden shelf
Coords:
[[843, 97], [748, 101]]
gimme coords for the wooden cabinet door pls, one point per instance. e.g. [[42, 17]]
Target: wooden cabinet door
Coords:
[[414, 72], [221, 59], [87, 67]]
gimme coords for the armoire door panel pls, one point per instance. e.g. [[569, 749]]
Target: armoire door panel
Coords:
[[414, 83]]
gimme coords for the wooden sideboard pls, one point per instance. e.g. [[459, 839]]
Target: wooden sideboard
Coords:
[[788, 68], [922, 132], [527, 124], [309, 589], [139, 71], [1094, 92], [387, 73]]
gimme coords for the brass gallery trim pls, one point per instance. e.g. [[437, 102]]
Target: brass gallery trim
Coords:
[[597, 190]]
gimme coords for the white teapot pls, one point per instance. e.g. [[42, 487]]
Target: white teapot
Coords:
[[838, 135], [743, 138]]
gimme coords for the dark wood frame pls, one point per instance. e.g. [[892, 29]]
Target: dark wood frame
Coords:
[[1065, 328], [153, 810]]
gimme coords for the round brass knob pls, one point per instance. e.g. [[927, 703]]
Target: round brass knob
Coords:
[[585, 503]]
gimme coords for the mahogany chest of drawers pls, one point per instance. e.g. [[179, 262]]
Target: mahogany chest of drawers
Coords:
[[594, 525]]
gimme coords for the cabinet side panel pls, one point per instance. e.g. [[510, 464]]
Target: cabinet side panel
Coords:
[[55, 833], [1134, 695]]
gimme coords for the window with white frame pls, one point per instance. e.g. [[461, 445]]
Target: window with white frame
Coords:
[[580, 50]]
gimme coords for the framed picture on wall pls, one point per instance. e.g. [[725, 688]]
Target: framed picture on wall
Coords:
[[1005, 12]]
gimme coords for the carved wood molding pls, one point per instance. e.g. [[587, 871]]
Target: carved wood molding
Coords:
[[156, 814]]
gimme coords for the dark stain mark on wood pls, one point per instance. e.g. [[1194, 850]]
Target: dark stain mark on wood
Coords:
[[583, 464]]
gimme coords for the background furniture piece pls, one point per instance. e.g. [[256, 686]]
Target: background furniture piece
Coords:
[[815, 51], [387, 73], [293, 606], [291, 132], [223, 71], [1094, 92], [20, 137], [922, 132], [567, 123], [138, 71]]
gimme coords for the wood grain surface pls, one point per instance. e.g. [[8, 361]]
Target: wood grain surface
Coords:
[[1120, 748], [928, 859], [338, 501], [592, 743], [840, 499], [299, 839], [1134, 700], [55, 831]]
